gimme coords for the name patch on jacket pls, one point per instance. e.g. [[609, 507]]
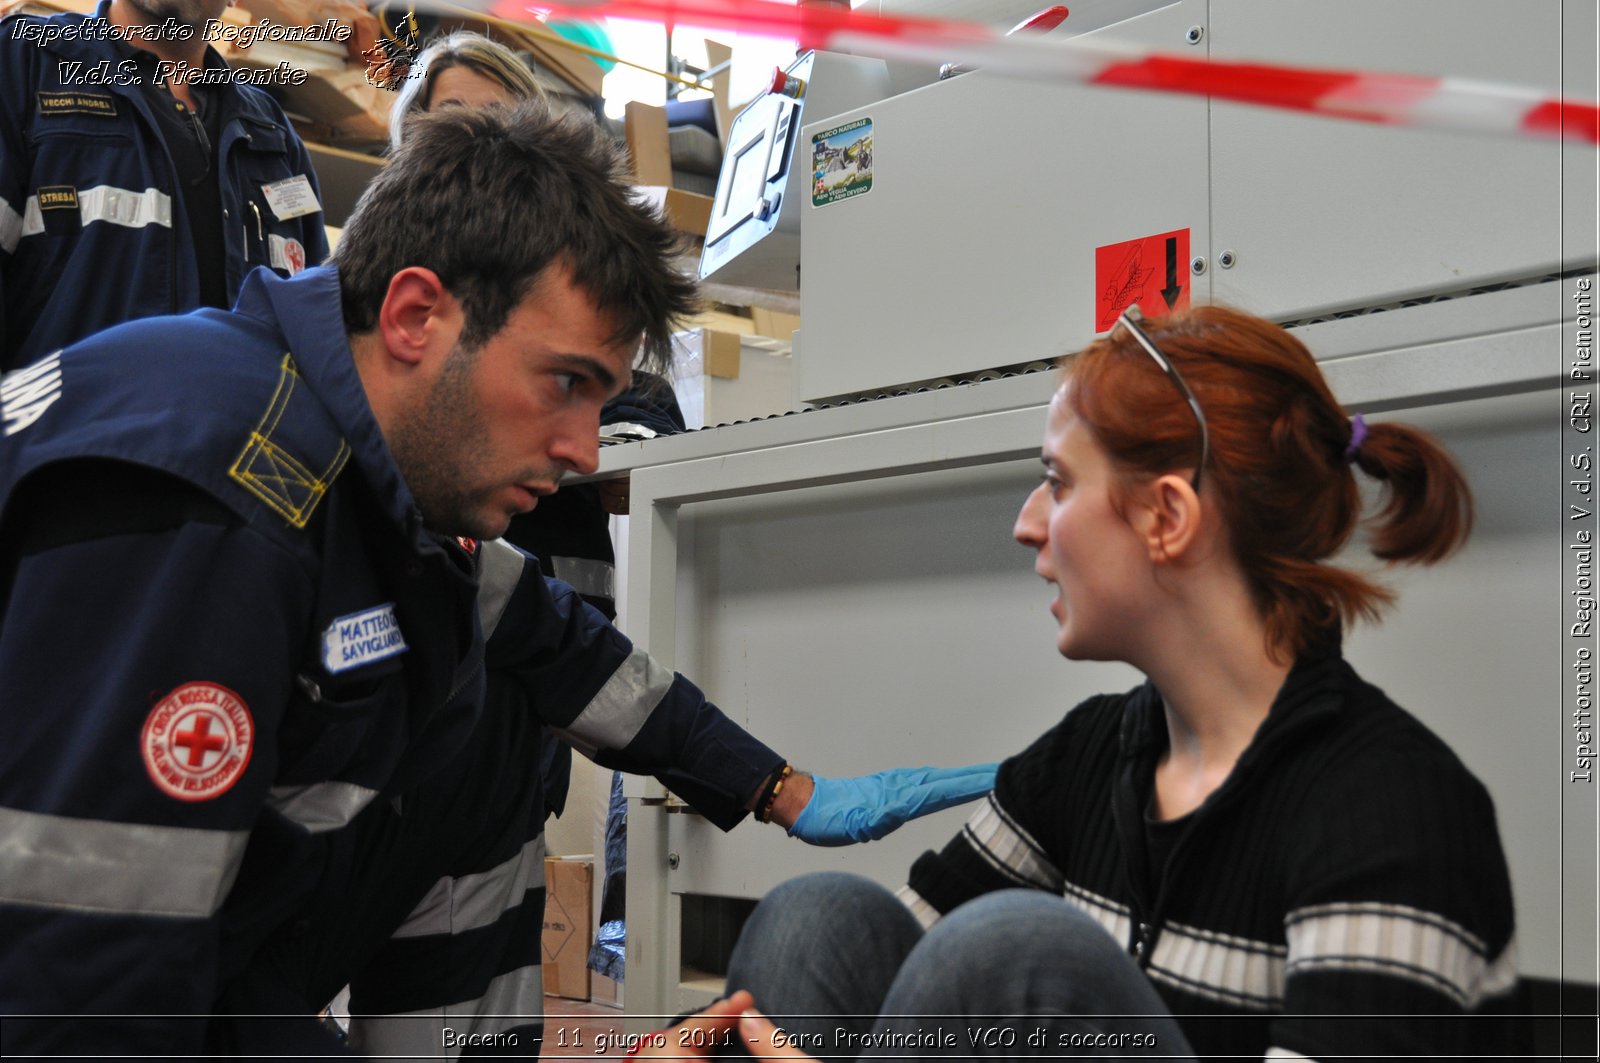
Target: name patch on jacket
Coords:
[[291, 197], [101, 104], [362, 638], [58, 209]]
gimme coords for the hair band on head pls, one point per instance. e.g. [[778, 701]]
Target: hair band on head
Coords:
[[1358, 436]]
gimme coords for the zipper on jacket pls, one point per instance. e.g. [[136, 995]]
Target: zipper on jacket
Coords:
[[174, 197], [1148, 930], [173, 192], [1129, 823], [1146, 919]]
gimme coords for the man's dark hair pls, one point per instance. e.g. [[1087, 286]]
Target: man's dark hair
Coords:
[[488, 199]]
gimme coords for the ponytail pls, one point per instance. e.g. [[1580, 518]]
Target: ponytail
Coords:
[[1426, 513]]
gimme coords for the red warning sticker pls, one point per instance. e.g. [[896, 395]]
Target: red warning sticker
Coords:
[[1152, 271]]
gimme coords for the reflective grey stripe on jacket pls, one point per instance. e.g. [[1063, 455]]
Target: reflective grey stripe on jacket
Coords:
[[117, 868], [118, 206], [513, 999], [499, 572], [590, 578], [10, 228], [456, 905], [622, 706], [320, 807]]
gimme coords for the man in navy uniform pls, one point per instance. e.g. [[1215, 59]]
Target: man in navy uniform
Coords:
[[250, 594]]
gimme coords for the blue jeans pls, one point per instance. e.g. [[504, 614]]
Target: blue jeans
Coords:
[[844, 969]]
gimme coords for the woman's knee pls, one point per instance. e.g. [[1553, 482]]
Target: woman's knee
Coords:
[[829, 905], [1026, 947], [825, 944], [829, 889]]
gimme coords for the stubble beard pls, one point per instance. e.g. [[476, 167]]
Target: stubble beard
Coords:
[[433, 443]]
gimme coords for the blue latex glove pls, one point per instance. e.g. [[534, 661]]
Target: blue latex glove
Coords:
[[865, 808]]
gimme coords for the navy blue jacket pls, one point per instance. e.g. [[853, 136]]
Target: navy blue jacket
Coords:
[[235, 637], [93, 230]]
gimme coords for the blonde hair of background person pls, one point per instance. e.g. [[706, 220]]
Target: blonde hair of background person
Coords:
[[486, 72]]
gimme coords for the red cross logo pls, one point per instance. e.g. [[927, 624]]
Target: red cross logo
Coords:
[[197, 740], [295, 254]]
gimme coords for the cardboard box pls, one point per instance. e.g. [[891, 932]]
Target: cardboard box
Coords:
[[603, 990], [687, 212], [568, 926]]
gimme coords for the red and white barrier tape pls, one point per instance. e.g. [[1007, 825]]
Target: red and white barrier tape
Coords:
[[1393, 99]]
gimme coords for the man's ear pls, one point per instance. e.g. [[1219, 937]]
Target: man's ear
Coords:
[[419, 316], [1167, 517]]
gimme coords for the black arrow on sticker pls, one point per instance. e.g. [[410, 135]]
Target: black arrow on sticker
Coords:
[[1171, 292]]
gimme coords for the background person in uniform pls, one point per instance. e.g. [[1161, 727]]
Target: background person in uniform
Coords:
[[124, 196], [264, 764], [1288, 864]]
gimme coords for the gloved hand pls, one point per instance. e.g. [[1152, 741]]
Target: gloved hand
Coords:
[[865, 808]]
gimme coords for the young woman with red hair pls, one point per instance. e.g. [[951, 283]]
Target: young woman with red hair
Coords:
[[1255, 843]]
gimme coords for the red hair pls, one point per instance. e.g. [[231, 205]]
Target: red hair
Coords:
[[1278, 468]]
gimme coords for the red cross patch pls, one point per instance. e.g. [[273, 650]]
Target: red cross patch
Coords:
[[197, 740], [294, 253], [468, 545]]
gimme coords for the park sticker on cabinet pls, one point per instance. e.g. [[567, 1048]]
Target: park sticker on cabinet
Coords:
[[841, 162]]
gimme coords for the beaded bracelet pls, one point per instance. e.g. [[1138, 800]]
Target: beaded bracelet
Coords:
[[770, 798], [763, 803]]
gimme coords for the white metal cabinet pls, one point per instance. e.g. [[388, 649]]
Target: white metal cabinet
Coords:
[[975, 246], [1322, 215]]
